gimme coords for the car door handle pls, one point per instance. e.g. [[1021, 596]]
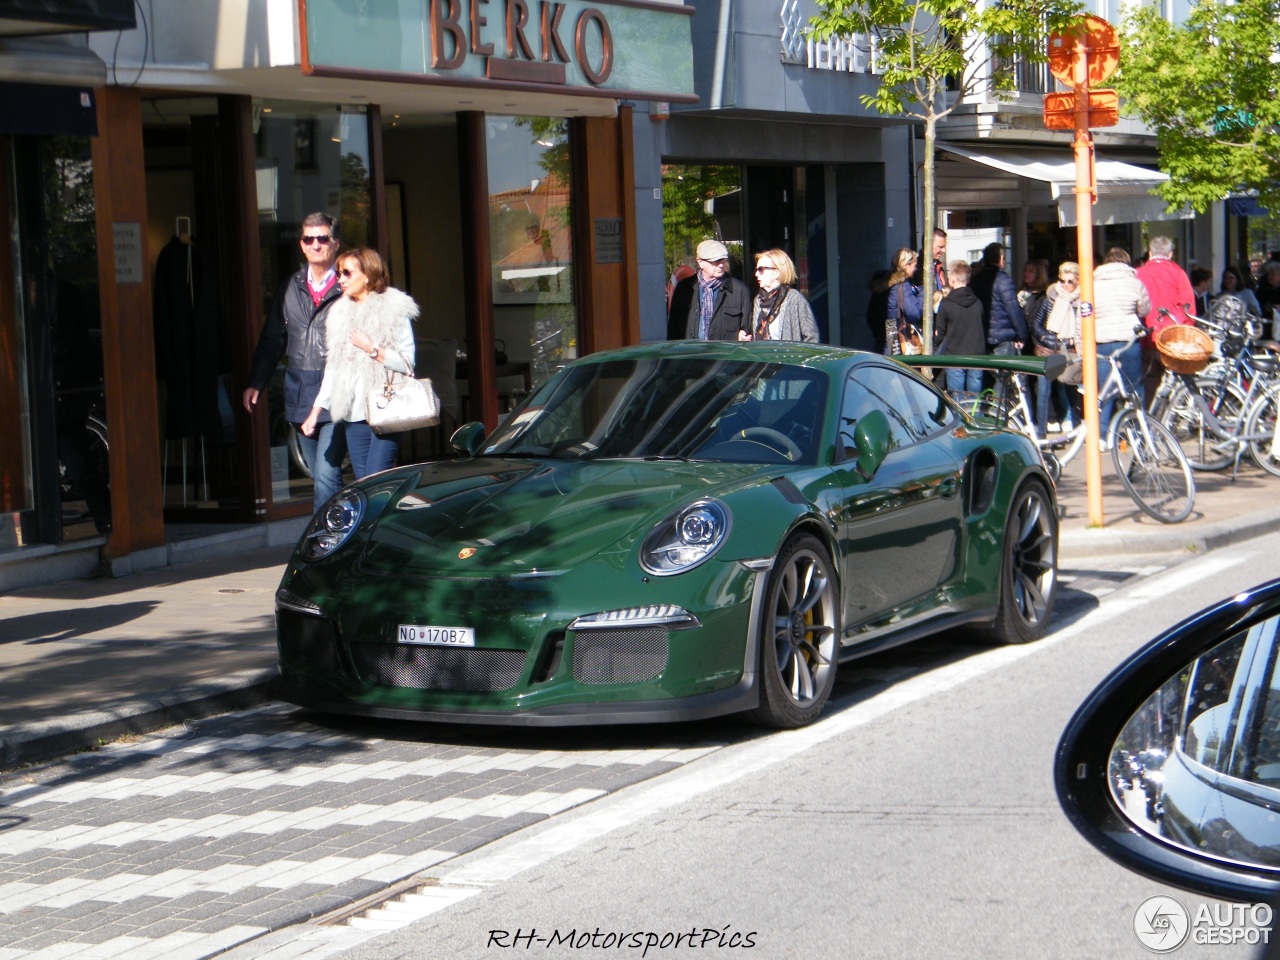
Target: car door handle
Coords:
[[949, 487]]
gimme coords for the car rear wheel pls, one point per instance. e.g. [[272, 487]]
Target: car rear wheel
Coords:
[[799, 635], [1028, 568]]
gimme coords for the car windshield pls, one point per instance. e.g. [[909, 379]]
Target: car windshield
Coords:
[[739, 411]]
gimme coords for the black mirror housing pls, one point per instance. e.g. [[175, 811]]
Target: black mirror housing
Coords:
[[1083, 764]]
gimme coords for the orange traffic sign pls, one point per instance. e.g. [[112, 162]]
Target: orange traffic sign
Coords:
[[1103, 47], [1060, 110]]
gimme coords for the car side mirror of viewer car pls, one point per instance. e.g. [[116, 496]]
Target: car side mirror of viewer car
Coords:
[[1172, 766], [468, 438]]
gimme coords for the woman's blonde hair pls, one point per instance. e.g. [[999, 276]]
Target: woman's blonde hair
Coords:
[[1070, 268], [900, 261], [786, 269]]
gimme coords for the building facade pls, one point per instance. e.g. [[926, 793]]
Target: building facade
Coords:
[[484, 149], [787, 157]]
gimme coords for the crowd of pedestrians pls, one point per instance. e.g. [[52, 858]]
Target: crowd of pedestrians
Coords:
[[977, 308]]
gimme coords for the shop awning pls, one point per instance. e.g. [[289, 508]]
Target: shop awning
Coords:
[[1124, 189]]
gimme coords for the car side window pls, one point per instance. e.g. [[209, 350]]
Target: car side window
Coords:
[[873, 387], [931, 412], [1209, 718]]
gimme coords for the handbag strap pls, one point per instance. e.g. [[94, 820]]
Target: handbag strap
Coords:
[[396, 373]]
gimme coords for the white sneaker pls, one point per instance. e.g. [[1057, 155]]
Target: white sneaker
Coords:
[[1103, 445], [1054, 426]]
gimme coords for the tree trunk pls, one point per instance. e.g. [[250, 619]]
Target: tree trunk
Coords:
[[930, 217]]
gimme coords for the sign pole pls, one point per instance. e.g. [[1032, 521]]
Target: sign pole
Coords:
[[1086, 191]]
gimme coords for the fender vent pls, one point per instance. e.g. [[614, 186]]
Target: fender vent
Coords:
[[983, 473]]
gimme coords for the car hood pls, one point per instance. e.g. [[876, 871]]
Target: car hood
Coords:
[[498, 516]]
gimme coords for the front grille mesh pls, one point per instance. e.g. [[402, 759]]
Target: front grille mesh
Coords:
[[619, 656], [473, 670]]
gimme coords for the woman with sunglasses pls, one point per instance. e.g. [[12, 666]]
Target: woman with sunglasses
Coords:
[[369, 331], [780, 311], [1055, 328]]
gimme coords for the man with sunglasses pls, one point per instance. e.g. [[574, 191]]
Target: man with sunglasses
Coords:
[[295, 326]]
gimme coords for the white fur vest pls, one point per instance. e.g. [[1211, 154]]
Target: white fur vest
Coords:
[[350, 373]]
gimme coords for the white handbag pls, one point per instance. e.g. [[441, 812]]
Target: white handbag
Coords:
[[403, 402]]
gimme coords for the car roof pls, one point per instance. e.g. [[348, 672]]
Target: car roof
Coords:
[[774, 351]]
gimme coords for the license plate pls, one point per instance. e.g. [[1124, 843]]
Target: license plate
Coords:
[[437, 636]]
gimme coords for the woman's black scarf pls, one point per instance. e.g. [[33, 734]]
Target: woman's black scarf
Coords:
[[770, 304]]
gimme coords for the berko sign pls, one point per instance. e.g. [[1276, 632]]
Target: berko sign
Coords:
[[634, 47]]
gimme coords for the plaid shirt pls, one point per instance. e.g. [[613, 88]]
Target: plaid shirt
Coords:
[[707, 291]]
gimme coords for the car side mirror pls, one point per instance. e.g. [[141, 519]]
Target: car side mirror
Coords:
[[468, 438], [871, 440], [1172, 766]]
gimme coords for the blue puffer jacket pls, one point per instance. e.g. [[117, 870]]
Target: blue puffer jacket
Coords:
[[1000, 311]]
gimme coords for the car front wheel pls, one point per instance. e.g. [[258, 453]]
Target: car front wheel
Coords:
[[799, 635], [1028, 568]]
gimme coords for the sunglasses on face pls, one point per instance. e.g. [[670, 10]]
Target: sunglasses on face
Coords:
[[347, 274], [317, 238], [765, 267]]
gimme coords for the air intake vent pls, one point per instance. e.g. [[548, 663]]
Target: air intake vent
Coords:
[[619, 656]]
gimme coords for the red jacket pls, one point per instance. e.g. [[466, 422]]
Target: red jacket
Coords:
[[1167, 286]]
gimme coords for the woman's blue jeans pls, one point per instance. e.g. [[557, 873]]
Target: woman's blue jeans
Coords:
[[1130, 369], [369, 452]]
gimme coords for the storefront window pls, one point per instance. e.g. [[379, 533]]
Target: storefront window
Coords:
[[700, 202], [531, 235], [71, 300], [15, 420], [310, 158]]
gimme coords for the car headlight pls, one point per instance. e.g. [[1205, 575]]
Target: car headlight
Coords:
[[686, 538], [331, 527]]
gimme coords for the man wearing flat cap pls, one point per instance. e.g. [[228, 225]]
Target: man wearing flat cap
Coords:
[[712, 304]]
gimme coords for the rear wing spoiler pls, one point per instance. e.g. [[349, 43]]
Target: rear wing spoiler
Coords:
[[1048, 367]]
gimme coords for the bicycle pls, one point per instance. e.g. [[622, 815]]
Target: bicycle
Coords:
[[1147, 458], [1211, 416]]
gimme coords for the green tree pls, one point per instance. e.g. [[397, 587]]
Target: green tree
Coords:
[[932, 55], [1208, 88], [354, 178]]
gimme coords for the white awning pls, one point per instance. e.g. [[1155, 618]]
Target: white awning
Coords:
[[1124, 190]]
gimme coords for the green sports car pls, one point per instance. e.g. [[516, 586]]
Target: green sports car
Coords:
[[670, 532]]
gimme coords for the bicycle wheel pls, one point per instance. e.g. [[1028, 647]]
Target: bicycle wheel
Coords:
[[1155, 473], [1186, 422], [1261, 423]]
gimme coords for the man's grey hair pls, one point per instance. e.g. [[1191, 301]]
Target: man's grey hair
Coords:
[[322, 220], [1160, 247]]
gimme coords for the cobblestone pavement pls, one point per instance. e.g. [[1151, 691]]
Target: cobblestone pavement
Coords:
[[180, 846]]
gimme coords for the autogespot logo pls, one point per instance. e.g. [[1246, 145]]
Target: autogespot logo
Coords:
[[1161, 924]]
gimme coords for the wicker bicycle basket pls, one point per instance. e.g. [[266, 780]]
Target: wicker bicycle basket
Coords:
[[1184, 348]]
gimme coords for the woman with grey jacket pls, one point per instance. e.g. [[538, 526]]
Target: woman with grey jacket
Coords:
[[780, 311]]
